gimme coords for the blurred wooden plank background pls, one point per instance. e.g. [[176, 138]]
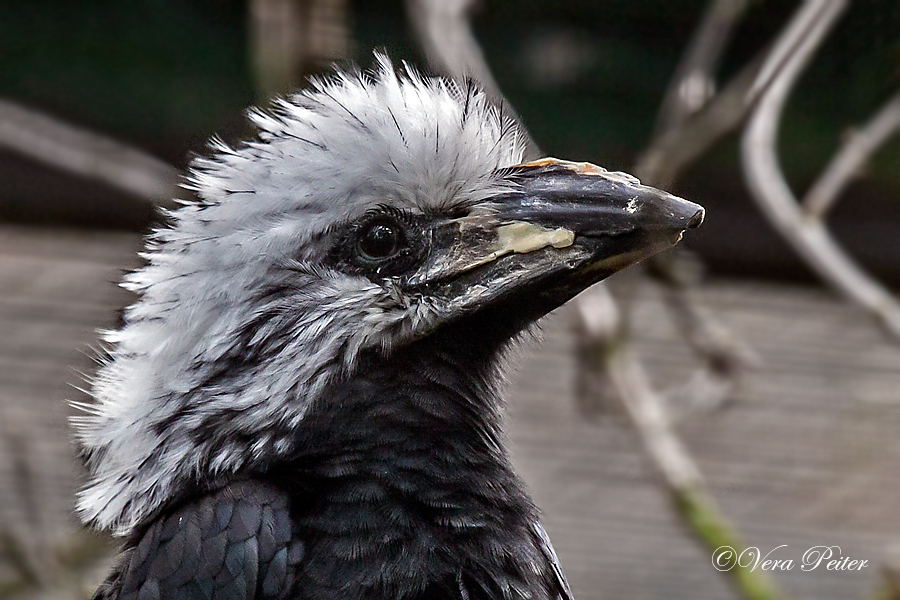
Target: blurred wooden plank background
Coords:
[[804, 454]]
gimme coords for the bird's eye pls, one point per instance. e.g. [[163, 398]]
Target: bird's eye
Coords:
[[384, 242], [379, 240]]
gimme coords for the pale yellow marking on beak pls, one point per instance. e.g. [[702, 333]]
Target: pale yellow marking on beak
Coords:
[[521, 237]]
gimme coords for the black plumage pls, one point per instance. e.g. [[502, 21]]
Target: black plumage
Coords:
[[237, 542], [399, 488]]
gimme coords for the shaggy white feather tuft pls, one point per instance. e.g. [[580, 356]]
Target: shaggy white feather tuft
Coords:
[[167, 406]]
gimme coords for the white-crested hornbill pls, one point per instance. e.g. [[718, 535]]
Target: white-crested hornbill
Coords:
[[303, 401]]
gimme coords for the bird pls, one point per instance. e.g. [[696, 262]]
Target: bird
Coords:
[[304, 399]]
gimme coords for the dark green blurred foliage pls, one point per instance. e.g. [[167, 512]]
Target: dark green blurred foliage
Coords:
[[164, 74]]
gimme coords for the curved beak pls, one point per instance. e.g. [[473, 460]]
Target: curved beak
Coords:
[[561, 227]]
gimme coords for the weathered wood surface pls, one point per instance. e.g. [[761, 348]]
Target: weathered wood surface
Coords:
[[806, 453]]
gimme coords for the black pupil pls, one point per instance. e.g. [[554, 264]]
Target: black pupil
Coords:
[[379, 240]]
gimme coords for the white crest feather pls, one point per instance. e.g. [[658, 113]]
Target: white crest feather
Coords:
[[330, 153]]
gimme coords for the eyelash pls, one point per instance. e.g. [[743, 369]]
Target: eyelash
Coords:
[[403, 215]]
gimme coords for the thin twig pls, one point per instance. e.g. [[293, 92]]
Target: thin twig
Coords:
[[644, 406], [277, 48], [858, 147], [725, 357], [693, 83], [674, 463], [670, 152], [679, 146], [808, 236], [86, 154]]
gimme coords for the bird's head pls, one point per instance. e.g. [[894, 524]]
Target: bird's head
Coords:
[[373, 210]]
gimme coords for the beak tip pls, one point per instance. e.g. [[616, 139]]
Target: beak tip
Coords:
[[697, 219], [689, 214]]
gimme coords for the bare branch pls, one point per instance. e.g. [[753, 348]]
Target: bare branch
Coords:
[[446, 36], [276, 45], [292, 38], [675, 144], [445, 33], [684, 143], [647, 411], [808, 236], [797, 43], [693, 83], [602, 324], [86, 154], [850, 159], [726, 356], [672, 151], [679, 472]]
